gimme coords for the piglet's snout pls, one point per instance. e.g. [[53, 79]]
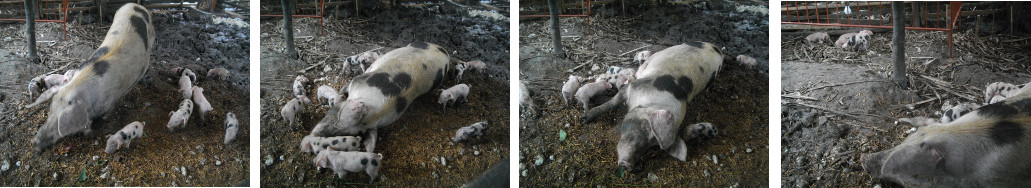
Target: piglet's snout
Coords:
[[868, 163]]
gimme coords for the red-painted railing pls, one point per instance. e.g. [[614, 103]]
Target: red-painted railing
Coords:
[[46, 11]]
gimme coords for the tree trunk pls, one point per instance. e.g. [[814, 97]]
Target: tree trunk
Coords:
[[556, 32], [288, 27], [30, 30], [899, 41]]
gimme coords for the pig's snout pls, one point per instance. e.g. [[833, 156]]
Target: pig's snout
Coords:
[[627, 166]]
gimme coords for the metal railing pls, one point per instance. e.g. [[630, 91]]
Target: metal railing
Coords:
[[46, 11], [302, 9], [570, 8], [922, 15]]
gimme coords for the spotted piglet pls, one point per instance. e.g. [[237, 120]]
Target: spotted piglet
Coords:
[[350, 161], [455, 93], [201, 102], [956, 111], [220, 73], [179, 117], [569, 88], [327, 95], [642, 56], [292, 108], [998, 91], [461, 70], [315, 144], [124, 137], [587, 91], [474, 130], [299, 86], [232, 127]]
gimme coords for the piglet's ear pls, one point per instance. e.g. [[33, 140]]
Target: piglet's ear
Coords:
[[678, 150], [661, 124]]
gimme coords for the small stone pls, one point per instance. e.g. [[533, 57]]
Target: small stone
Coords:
[[96, 157], [551, 157], [268, 160], [476, 153], [461, 151], [595, 67], [652, 177], [17, 164], [443, 161], [539, 161], [705, 172], [163, 174], [174, 184], [424, 165], [183, 170], [281, 158], [104, 175], [203, 161], [877, 186], [55, 176], [567, 125], [524, 173], [749, 150], [218, 163], [435, 175], [6, 166], [118, 184], [715, 160], [193, 153]]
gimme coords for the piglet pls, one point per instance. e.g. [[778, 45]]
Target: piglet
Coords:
[[474, 130], [179, 117], [619, 70], [461, 70], [818, 37], [368, 57], [350, 161], [299, 86], [185, 86], [315, 144], [232, 127], [124, 137], [455, 93], [37, 85], [54, 80], [642, 56], [220, 73], [587, 91], [843, 40], [292, 108], [569, 88], [479, 66], [352, 61], [328, 95], [956, 111], [616, 80], [745, 60], [201, 102], [180, 71], [998, 91]]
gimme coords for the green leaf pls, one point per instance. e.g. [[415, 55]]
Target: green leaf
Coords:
[[82, 177], [620, 171], [561, 135]]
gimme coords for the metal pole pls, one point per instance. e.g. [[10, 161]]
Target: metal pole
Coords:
[[556, 35], [288, 27], [899, 41], [30, 30]]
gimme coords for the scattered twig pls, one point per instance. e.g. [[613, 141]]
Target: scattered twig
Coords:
[[841, 84], [634, 50]]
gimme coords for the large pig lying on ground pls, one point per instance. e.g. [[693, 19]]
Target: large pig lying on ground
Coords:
[[657, 100], [379, 97], [103, 79], [988, 147]]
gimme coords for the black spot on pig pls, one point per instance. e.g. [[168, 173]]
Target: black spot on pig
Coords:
[[1024, 105], [375, 163], [142, 12], [401, 104], [382, 81], [424, 66], [695, 44], [96, 55], [335, 142], [365, 160], [679, 88], [100, 67], [948, 113], [439, 79], [711, 79], [419, 45], [123, 135], [403, 80], [325, 146], [442, 50], [343, 140], [140, 26], [997, 110], [354, 144], [1006, 132]]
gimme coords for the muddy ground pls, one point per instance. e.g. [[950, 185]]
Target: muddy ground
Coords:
[[413, 145], [736, 102], [189, 40], [821, 148]]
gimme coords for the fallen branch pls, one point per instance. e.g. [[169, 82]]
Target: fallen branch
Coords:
[[634, 50], [824, 109], [797, 96], [841, 84]]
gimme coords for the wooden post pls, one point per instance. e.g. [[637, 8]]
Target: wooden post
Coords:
[[899, 41], [556, 32], [30, 30], [288, 27]]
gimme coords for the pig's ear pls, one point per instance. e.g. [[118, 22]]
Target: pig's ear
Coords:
[[359, 106], [678, 150], [661, 124]]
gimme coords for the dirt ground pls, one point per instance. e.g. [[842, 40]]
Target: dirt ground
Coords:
[[413, 145], [189, 40], [821, 148], [736, 102]]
